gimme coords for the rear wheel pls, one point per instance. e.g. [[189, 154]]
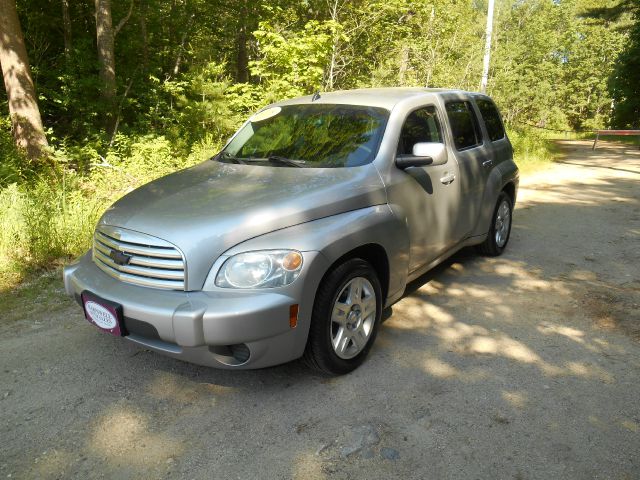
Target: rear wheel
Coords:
[[345, 319], [500, 230]]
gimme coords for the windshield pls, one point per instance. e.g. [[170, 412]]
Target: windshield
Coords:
[[309, 135]]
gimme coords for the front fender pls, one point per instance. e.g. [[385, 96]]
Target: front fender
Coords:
[[337, 235], [326, 240]]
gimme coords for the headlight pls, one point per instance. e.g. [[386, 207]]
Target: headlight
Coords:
[[262, 269]]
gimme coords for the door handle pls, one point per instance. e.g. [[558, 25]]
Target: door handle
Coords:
[[447, 179], [487, 163]]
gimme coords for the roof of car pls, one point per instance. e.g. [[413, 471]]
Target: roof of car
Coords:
[[375, 97]]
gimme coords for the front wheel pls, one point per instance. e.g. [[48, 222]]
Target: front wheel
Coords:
[[345, 320], [500, 230]]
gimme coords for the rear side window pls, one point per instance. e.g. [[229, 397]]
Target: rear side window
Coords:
[[420, 126], [464, 125], [491, 119]]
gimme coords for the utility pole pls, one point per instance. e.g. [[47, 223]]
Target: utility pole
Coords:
[[487, 48]]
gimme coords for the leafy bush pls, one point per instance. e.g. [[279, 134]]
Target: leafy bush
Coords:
[[12, 163], [52, 216], [532, 149], [293, 63], [44, 220]]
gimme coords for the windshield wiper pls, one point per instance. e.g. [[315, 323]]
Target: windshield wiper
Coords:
[[272, 158], [228, 156], [286, 161]]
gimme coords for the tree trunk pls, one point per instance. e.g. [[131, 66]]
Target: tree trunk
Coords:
[[23, 105], [183, 41], [242, 58], [404, 65], [242, 61], [106, 58], [330, 80], [145, 35], [66, 29]]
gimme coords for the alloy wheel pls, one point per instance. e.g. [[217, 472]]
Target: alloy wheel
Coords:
[[503, 223], [353, 317]]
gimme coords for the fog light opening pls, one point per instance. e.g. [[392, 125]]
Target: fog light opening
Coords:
[[233, 355]]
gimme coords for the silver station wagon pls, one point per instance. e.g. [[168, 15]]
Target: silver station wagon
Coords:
[[291, 241]]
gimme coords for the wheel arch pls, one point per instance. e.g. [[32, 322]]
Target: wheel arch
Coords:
[[510, 189], [503, 178], [376, 255]]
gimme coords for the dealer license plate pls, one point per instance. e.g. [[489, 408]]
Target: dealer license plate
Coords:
[[104, 314]]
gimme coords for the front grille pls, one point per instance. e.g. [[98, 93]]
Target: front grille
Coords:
[[137, 258]]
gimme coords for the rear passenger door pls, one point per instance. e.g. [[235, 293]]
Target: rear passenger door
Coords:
[[500, 145], [474, 160]]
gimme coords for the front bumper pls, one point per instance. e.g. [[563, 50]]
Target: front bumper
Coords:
[[217, 328]]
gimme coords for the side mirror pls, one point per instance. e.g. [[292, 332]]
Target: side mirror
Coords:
[[424, 154]]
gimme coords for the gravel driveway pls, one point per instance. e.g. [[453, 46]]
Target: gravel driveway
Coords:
[[526, 366]]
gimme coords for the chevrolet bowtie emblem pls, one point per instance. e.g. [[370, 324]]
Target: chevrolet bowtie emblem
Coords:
[[120, 258]]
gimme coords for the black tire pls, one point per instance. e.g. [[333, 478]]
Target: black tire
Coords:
[[319, 353], [490, 246]]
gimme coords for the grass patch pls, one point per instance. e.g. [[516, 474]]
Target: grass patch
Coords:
[[44, 222], [533, 150], [40, 293], [48, 217]]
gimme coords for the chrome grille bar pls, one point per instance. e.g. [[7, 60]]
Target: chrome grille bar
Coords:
[[139, 249], [139, 259], [144, 261]]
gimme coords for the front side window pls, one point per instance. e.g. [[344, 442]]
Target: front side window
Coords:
[[420, 126], [464, 125], [491, 118], [309, 135]]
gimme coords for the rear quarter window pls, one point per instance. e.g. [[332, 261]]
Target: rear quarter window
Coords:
[[492, 119], [464, 125]]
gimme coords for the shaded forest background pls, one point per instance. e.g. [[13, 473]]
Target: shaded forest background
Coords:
[[130, 90]]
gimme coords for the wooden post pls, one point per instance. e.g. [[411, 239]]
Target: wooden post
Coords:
[[614, 133]]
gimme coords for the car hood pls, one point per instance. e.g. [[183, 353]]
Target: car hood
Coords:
[[209, 208]]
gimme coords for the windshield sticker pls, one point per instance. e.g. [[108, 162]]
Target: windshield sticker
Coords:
[[265, 114]]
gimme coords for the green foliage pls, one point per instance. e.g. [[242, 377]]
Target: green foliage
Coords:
[[194, 106], [52, 215], [435, 44], [244, 98], [551, 65], [291, 63], [44, 219], [190, 72], [625, 80], [12, 165], [533, 149]]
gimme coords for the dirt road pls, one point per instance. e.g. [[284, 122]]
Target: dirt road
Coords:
[[522, 367]]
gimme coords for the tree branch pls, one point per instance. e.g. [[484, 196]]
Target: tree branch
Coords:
[[117, 124], [123, 21], [176, 66]]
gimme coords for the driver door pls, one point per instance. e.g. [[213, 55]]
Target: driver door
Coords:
[[430, 194]]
